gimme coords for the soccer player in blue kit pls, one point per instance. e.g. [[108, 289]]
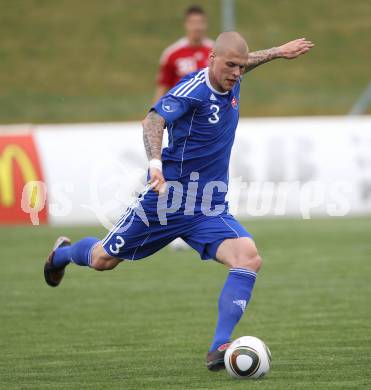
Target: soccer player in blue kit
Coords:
[[187, 184]]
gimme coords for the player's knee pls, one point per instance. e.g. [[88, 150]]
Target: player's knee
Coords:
[[97, 264], [102, 264], [255, 263], [249, 258], [101, 261]]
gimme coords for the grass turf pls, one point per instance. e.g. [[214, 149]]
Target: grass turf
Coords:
[[148, 324], [68, 61]]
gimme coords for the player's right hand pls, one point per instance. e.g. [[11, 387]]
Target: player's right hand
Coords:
[[157, 180], [295, 48]]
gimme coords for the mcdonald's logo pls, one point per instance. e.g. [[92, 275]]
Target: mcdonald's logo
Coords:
[[19, 165]]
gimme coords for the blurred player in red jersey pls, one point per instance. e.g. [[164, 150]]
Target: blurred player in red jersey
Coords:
[[186, 55]]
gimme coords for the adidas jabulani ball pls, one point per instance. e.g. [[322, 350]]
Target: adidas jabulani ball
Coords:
[[247, 357]]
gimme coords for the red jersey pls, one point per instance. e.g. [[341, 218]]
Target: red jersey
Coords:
[[181, 58]]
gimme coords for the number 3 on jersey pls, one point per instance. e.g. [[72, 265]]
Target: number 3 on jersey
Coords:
[[214, 118]]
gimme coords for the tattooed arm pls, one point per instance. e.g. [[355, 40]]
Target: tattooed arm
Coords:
[[153, 130], [260, 57], [289, 50]]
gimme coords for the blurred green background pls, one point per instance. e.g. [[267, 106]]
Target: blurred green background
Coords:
[[94, 60]]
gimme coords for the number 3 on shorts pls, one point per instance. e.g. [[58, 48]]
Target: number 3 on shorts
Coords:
[[120, 242], [215, 118]]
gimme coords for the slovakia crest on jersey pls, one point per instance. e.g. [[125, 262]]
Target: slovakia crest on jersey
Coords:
[[234, 103]]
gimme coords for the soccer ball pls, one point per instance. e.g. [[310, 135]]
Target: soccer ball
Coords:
[[247, 357], [179, 245]]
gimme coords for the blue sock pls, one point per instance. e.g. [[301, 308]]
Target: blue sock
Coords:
[[78, 253], [233, 300]]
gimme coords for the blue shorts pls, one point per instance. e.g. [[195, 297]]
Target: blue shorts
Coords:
[[135, 237]]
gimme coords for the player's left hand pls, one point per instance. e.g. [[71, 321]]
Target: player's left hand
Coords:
[[295, 48]]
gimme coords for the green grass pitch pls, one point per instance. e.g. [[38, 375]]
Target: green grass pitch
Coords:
[[147, 325]]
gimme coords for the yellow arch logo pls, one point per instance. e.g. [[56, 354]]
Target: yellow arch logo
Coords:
[[7, 156]]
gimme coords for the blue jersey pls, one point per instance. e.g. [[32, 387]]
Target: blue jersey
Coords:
[[201, 124]]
